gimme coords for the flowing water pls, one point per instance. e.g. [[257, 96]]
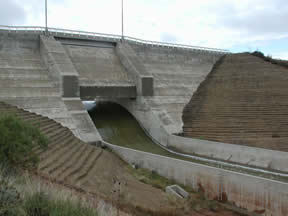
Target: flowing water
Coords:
[[117, 126]]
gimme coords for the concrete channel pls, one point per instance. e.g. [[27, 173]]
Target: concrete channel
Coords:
[[242, 185], [117, 126]]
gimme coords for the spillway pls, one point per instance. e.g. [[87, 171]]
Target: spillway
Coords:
[[116, 125]]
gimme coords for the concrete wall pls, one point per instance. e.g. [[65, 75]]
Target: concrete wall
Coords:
[[152, 123], [60, 66], [177, 74], [259, 157], [245, 191], [98, 65], [92, 92], [143, 79], [62, 69]]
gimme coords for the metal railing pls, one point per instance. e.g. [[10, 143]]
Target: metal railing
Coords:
[[106, 37]]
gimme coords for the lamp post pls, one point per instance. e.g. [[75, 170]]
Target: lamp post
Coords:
[[122, 6], [46, 26]]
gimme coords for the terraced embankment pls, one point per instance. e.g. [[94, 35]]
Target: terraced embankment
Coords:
[[244, 100], [91, 169], [70, 161]]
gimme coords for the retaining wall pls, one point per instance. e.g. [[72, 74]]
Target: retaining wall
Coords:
[[150, 121], [245, 191]]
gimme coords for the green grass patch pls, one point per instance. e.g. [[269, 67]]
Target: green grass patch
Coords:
[[17, 140]]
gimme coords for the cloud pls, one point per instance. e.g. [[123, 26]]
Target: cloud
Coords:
[[167, 37], [211, 23], [11, 13], [267, 18], [281, 55]]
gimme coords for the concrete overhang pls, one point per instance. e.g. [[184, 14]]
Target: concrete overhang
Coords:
[[91, 92]]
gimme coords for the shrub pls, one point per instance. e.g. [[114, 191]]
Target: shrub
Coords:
[[17, 140], [258, 54], [270, 59]]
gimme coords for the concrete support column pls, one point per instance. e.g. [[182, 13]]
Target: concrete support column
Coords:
[[60, 66], [143, 79]]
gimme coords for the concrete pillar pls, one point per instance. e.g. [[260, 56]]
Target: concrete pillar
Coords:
[[143, 79], [60, 66]]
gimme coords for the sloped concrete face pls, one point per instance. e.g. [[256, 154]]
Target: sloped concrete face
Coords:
[[177, 73], [101, 73], [35, 73], [60, 66], [143, 79]]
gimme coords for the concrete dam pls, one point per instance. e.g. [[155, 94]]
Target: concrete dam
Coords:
[[51, 75]]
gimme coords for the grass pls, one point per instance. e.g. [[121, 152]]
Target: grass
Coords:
[[153, 178], [20, 195], [40, 204], [17, 140]]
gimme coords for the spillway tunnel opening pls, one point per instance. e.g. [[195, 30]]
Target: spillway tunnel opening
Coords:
[[118, 126]]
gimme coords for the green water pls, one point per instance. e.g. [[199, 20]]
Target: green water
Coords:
[[117, 126]]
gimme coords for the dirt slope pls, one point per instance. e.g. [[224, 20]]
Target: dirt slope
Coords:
[[92, 170], [244, 100]]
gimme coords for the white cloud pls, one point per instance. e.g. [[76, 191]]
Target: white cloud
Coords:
[[212, 23], [11, 13], [281, 55]]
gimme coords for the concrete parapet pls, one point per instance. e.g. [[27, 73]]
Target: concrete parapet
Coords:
[[245, 191], [60, 66], [144, 80]]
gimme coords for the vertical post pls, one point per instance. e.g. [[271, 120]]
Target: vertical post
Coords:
[[122, 6], [46, 25]]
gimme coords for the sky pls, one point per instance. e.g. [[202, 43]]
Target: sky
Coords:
[[238, 26]]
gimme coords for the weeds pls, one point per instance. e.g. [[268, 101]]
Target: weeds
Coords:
[[153, 178], [40, 204], [17, 140]]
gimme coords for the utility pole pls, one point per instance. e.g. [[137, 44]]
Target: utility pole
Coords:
[[122, 6], [46, 26]]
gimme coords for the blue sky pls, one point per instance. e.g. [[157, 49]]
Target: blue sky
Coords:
[[245, 25]]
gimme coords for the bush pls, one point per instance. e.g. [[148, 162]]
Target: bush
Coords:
[[270, 59], [258, 54], [17, 140]]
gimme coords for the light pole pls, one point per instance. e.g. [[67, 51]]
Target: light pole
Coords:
[[122, 6], [46, 26]]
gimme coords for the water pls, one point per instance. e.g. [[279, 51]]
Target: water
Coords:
[[117, 126]]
